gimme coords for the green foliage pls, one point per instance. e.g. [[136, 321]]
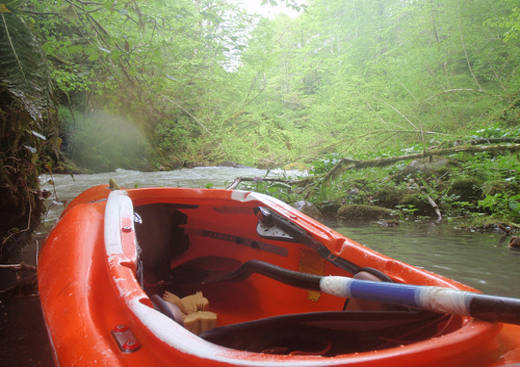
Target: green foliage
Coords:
[[28, 129], [461, 186], [495, 132], [325, 164], [206, 82], [502, 205]]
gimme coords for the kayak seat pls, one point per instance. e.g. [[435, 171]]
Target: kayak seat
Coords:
[[326, 333]]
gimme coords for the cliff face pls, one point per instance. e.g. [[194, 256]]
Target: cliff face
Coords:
[[28, 131], [21, 201]]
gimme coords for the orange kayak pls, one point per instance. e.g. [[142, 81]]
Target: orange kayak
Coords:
[[202, 277]]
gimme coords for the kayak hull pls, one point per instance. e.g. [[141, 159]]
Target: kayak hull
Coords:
[[89, 289]]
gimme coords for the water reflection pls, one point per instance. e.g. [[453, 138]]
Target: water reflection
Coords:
[[483, 261]]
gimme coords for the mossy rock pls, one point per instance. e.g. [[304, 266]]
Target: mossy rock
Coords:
[[329, 209], [467, 189], [488, 224], [418, 202], [308, 208], [363, 212], [389, 197]]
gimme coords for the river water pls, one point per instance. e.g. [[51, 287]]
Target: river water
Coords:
[[483, 261]]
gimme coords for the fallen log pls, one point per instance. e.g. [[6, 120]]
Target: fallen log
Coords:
[[346, 164]]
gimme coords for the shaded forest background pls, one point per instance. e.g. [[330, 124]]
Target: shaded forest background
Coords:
[[159, 84]]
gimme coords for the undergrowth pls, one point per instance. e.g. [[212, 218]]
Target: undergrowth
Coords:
[[464, 186]]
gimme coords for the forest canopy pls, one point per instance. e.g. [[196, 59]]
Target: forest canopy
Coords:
[[204, 81]]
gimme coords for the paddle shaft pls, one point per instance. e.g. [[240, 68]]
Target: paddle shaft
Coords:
[[436, 299]]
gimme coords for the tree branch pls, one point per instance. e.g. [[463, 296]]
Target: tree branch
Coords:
[[238, 180], [21, 266], [494, 140]]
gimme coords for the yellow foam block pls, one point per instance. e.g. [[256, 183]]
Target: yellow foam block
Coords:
[[172, 298], [195, 302], [200, 321]]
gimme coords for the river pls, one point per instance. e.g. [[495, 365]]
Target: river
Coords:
[[483, 261]]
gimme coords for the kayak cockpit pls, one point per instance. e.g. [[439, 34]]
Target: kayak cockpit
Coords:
[[182, 247]]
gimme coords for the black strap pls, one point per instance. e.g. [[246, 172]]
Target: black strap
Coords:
[[269, 218]]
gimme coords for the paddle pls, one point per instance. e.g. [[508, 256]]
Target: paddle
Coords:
[[436, 299]]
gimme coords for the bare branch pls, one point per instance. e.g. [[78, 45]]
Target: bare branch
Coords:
[[21, 266], [238, 180], [403, 116], [467, 59], [436, 208]]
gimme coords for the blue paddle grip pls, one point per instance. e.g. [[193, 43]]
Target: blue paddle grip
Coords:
[[384, 292]]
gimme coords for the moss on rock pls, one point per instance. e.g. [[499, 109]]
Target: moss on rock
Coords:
[[418, 202], [388, 196], [467, 189], [308, 208]]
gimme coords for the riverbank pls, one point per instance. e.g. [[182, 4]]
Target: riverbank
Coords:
[[477, 192], [472, 192]]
